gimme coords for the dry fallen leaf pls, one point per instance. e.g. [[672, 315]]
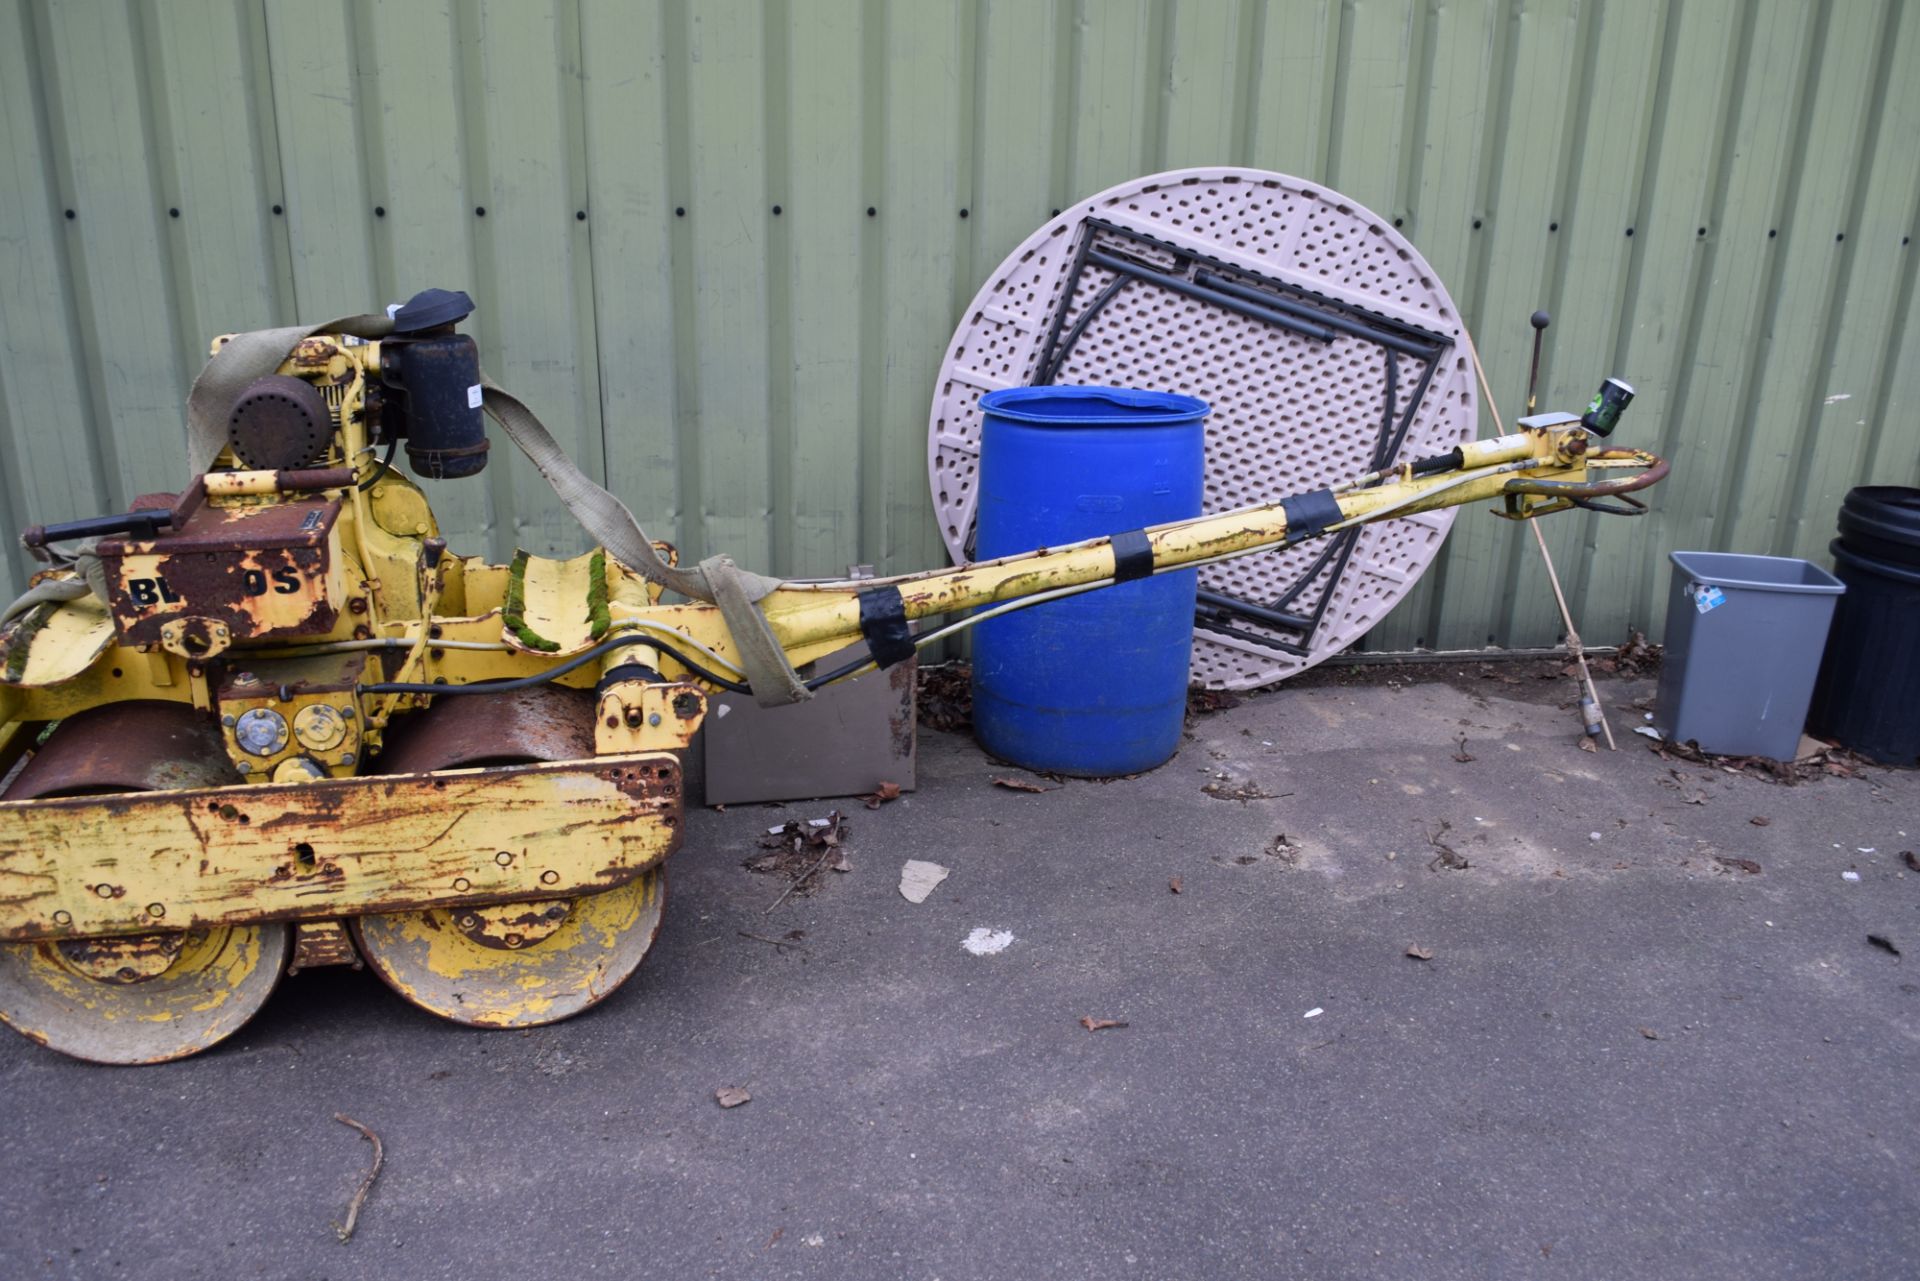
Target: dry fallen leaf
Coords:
[[1757, 821], [1746, 865], [1906, 856], [1174, 885], [884, 793], [1022, 785], [731, 1096], [1884, 943], [1649, 1033], [918, 878], [1586, 745], [1094, 1025], [1419, 953], [1462, 755]]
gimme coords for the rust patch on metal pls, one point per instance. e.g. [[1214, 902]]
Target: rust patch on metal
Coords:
[[262, 571], [545, 723], [512, 926], [314, 352], [124, 959], [318, 943], [126, 747]]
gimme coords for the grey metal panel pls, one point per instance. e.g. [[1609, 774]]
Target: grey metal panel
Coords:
[[755, 382]]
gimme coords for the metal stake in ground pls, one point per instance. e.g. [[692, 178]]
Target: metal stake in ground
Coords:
[[1540, 322]]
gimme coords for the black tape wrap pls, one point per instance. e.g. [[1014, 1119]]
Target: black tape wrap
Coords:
[[1310, 514], [883, 621], [1132, 555]]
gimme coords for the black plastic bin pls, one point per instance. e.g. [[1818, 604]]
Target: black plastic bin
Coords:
[[1868, 696]]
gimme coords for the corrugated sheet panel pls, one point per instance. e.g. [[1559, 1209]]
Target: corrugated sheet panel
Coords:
[[722, 243]]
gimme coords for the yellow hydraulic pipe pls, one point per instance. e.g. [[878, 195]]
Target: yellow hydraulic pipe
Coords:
[[804, 617]]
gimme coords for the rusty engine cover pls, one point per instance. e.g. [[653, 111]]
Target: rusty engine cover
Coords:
[[264, 571]]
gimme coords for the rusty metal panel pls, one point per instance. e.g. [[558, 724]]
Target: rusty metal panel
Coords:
[[336, 847], [662, 209], [261, 571]]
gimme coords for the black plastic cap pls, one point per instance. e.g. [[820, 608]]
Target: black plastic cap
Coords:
[[1541, 320], [430, 309]]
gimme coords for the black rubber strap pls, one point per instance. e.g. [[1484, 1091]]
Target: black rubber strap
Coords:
[[1132, 555], [883, 621], [1310, 514]]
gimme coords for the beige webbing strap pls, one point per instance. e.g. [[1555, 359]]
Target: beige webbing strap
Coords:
[[611, 524], [244, 358], [605, 518], [769, 674], [90, 579]]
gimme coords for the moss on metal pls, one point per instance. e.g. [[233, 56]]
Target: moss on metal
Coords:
[[515, 608]]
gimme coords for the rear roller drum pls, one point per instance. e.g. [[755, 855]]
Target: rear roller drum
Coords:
[[509, 964], [141, 998], [515, 964]]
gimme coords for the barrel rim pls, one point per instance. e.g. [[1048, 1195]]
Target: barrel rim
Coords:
[[1161, 408], [1844, 555], [1699, 566]]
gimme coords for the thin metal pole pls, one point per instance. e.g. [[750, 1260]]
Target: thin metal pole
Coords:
[[1573, 636]]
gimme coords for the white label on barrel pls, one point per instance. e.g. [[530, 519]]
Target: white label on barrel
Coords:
[[473, 396]]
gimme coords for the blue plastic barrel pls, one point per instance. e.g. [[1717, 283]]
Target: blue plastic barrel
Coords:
[[1094, 684]]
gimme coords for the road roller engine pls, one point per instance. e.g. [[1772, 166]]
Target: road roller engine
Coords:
[[270, 722]]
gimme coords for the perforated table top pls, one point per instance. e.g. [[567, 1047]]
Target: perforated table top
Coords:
[[1318, 334]]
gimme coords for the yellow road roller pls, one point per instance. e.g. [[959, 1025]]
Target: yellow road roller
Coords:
[[271, 722]]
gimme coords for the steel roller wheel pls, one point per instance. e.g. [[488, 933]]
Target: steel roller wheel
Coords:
[[509, 964], [516, 964], [142, 998]]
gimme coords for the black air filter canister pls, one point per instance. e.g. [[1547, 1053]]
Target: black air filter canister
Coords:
[[438, 379]]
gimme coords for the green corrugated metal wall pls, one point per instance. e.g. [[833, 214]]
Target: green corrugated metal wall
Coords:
[[1713, 197]]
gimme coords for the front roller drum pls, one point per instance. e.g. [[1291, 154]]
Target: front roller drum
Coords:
[[138, 998], [145, 998]]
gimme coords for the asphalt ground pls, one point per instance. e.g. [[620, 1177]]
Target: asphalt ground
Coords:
[[1623, 1058]]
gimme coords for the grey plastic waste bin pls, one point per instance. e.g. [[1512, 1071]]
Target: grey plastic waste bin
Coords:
[[1744, 638]]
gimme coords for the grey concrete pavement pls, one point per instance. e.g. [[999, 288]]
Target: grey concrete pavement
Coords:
[[922, 1112]]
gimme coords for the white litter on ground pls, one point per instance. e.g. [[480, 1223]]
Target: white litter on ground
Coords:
[[918, 877], [1849, 876], [985, 942], [1647, 731], [1313, 1013]]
